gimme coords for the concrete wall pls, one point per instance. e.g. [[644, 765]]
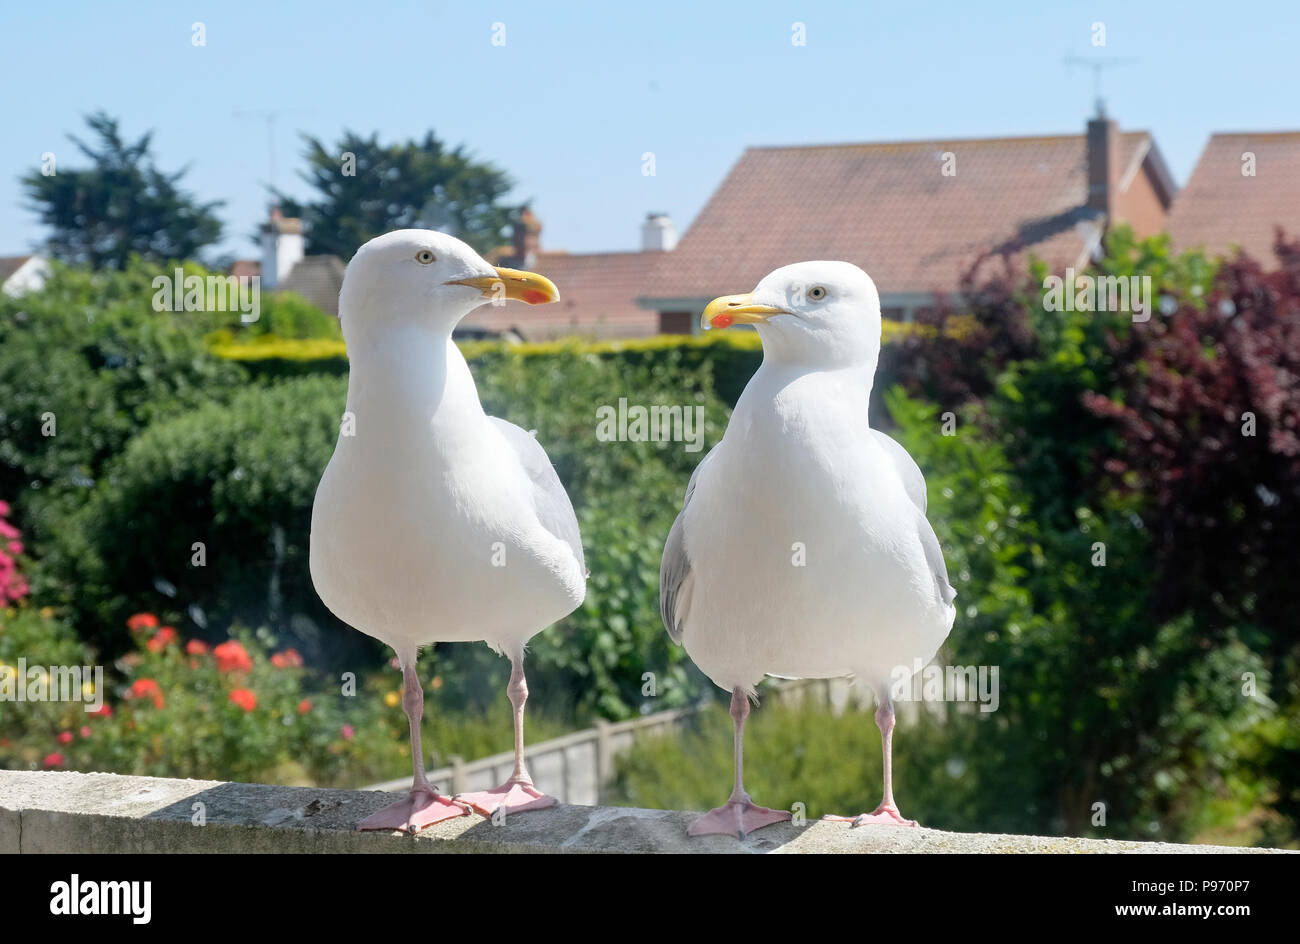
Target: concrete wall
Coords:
[[60, 812]]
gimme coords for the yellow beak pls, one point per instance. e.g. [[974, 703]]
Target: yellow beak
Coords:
[[736, 309], [526, 287]]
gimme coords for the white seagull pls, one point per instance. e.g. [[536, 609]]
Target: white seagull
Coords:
[[433, 521], [802, 549]]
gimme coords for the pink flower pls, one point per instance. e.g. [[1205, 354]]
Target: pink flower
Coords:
[[347, 731], [286, 659], [65, 737], [232, 657], [145, 688], [142, 621], [162, 639], [85, 731], [52, 760]]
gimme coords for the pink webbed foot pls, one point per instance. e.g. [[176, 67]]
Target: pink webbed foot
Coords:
[[422, 807], [881, 816], [515, 796], [737, 818]]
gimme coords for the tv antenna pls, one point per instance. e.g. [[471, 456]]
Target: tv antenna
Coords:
[[1098, 64], [270, 116]]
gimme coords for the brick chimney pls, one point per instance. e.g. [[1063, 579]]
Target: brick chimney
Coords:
[[526, 239], [282, 247], [1103, 166]]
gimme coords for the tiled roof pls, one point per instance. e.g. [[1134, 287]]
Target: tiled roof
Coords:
[[888, 208], [318, 280], [1220, 207], [9, 265], [598, 294]]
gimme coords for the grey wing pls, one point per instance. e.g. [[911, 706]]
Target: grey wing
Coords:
[[676, 577], [550, 500], [914, 484]]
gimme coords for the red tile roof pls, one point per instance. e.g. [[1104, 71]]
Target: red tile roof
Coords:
[[11, 264], [888, 208], [318, 280], [597, 297], [1220, 207]]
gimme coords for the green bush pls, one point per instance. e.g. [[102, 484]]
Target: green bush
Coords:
[[240, 477]]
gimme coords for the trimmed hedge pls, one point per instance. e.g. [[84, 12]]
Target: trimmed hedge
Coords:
[[731, 356]]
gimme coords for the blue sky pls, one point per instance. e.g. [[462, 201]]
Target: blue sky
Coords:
[[580, 91]]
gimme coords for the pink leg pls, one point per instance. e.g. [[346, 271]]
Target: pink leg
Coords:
[[423, 806], [739, 816], [518, 793], [886, 814]]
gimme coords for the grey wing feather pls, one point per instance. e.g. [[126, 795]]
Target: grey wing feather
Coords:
[[550, 500], [676, 577], [914, 484]]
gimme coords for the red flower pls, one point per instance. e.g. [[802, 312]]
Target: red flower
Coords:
[[52, 760], [145, 688], [65, 737], [304, 706], [103, 711], [283, 660], [85, 731], [232, 657], [244, 699], [162, 639], [142, 621], [196, 647]]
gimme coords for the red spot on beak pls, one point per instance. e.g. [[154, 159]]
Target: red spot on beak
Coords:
[[722, 321], [535, 297]]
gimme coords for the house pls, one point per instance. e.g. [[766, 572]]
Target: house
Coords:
[[285, 266], [914, 214], [598, 291], [19, 274], [1243, 188]]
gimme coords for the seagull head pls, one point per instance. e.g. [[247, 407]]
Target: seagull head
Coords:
[[424, 276], [823, 313]]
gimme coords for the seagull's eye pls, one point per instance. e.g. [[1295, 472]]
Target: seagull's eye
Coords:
[[816, 293], [424, 257]]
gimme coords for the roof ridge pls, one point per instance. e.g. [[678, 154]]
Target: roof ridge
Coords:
[[1006, 139]]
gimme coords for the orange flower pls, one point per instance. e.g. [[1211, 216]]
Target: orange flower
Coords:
[[244, 699], [145, 688], [304, 706], [196, 647], [141, 621], [283, 660], [232, 657], [162, 639]]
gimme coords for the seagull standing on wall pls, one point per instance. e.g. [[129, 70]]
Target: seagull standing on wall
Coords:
[[802, 549], [435, 522]]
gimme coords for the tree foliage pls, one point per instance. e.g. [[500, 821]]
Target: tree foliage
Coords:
[[365, 188], [121, 205]]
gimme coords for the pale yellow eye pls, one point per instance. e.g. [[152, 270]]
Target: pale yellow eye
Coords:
[[816, 293], [424, 257]]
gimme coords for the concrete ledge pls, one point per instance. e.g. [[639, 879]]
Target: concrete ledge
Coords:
[[59, 812]]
